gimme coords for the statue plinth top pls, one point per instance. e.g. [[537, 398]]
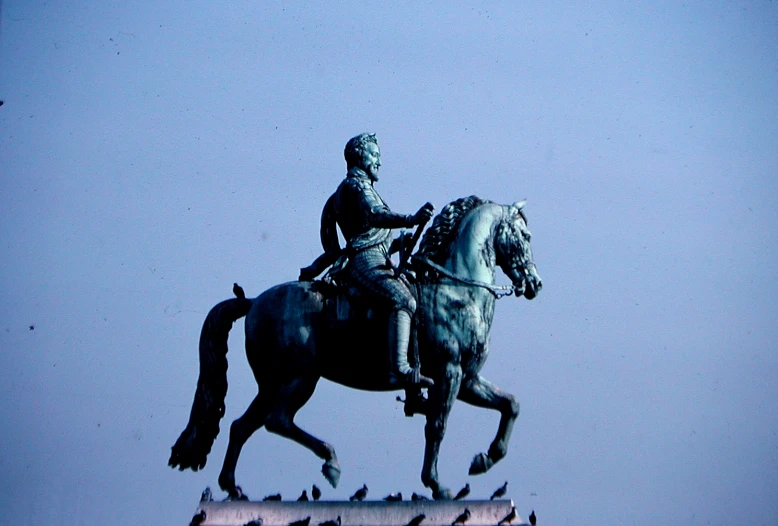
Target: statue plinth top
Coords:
[[366, 513]]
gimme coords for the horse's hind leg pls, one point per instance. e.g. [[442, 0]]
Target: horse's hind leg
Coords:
[[240, 431], [481, 393], [292, 396]]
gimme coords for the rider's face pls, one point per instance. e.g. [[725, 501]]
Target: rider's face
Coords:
[[371, 160]]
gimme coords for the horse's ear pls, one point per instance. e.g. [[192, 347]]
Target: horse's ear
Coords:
[[517, 206]]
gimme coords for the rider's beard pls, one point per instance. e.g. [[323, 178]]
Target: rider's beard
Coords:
[[372, 172]]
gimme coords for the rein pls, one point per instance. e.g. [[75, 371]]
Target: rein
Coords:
[[499, 291]]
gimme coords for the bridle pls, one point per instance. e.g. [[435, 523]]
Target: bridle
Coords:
[[499, 291]]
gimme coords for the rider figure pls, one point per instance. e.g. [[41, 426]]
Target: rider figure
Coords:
[[366, 222]]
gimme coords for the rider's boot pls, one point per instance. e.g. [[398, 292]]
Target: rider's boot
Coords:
[[399, 336]]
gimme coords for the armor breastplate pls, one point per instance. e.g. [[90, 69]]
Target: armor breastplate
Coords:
[[355, 199]]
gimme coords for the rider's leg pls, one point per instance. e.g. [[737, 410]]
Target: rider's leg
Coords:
[[399, 337], [373, 276]]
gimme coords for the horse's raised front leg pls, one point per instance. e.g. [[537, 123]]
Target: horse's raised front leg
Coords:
[[481, 393], [441, 398], [291, 398]]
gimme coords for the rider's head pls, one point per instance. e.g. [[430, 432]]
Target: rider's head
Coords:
[[362, 152]]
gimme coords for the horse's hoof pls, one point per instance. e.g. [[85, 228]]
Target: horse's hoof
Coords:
[[443, 494], [228, 484], [331, 472], [481, 464]]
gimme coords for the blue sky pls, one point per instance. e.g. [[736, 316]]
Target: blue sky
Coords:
[[150, 156]]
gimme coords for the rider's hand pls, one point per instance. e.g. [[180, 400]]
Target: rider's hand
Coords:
[[424, 214]]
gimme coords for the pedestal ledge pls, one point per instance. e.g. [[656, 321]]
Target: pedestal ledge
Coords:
[[369, 513]]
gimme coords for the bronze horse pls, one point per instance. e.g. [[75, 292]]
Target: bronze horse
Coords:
[[297, 333]]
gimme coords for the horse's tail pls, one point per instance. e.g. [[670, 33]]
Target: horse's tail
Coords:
[[194, 444]]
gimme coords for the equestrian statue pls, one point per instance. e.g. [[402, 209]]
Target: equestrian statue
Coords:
[[434, 310]]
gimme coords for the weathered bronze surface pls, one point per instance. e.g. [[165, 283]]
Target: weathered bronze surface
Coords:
[[299, 332]]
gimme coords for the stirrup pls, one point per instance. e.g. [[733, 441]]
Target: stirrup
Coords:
[[415, 402]]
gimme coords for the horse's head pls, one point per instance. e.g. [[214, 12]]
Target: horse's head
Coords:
[[513, 251]]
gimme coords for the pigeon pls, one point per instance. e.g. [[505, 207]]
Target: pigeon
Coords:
[[394, 497], [277, 496], [416, 520], [464, 492], [462, 518], [416, 497], [238, 291], [500, 492], [360, 494], [315, 492], [508, 518], [241, 495], [302, 522], [336, 522], [532, 519], [198, 518], [303, 497], [207, 496]]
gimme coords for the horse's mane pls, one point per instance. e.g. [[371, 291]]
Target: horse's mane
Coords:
[[438, 237]]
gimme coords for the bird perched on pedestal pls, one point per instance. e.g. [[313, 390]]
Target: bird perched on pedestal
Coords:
[[394, 497], [415, 496], [336, 522], [277, 496], [463, 518], [303, 497], [508, 518], [500, 492], [198, 518], [464, 492], [360, 494], [207, 496], [532, 519], [315, 492], [241, 495]]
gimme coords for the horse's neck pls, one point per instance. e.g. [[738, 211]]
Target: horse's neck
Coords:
[[472, 253]]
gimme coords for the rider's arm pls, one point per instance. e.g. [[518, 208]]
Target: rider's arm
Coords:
[[319, 265], [378, 214], [385, 218]]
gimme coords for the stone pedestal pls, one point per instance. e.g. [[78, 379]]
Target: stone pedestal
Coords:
[[369, 513]]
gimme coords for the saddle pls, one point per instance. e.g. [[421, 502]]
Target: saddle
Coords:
[[345, 305]]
